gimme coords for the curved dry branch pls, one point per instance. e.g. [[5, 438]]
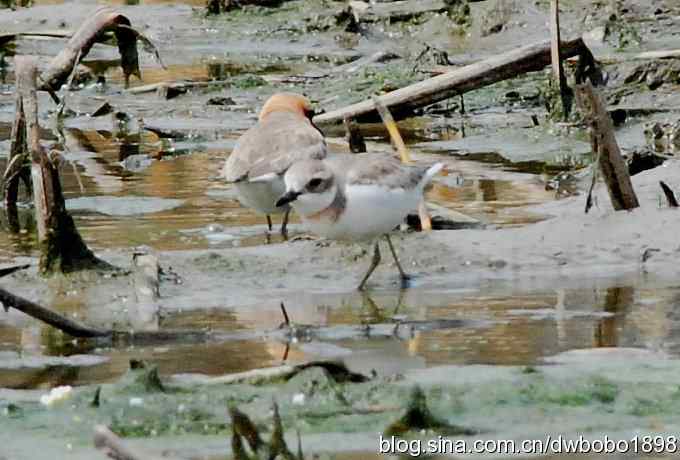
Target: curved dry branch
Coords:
[[91, 31]]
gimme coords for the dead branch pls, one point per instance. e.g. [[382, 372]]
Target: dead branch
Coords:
[[659, 54], [93, 29], [670, 196], [61, 246], [6, 38], [606, 149], [404, 101]]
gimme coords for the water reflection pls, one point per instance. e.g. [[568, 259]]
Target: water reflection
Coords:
[[502, 327]]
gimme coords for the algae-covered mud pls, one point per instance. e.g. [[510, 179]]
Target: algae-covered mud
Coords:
[[526, 319]]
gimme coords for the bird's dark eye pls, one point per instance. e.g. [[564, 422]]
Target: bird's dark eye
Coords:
[[314, 183]]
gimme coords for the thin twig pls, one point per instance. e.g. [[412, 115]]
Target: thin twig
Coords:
[[285, 314], [9, 270]]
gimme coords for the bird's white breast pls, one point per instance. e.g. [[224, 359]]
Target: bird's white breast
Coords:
[[369, 211]]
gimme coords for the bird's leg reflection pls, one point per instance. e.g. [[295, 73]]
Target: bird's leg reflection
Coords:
[[374, 312]]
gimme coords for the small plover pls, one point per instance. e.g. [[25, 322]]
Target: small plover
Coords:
[[356, 197], [283, 134]]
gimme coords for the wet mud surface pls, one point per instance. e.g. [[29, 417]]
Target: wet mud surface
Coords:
[[538, 320]]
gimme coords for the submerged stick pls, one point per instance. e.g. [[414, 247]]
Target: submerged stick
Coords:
[[404, 101], [45, 315]]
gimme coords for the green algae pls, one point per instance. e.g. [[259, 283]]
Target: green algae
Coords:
[[457, 401]]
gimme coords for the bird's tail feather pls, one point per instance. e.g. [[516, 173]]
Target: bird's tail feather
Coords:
[[430, 173]]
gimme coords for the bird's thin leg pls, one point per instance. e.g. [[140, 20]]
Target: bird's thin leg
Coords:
[[404, 276], [284, 225], [269, 222], [374, 263]]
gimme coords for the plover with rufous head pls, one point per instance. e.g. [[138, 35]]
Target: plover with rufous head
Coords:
[[356, 198], [283, 135]]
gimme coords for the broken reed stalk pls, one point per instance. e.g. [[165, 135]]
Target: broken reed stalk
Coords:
[[606, 149], [556, 58], [61, 246], [392, 129], [404, 101]]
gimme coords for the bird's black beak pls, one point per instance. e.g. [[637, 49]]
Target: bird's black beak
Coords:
[[310, 115], [287, 198]]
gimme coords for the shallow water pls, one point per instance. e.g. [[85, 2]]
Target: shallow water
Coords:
[[499, 324]]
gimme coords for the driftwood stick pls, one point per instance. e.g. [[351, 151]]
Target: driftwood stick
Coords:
[[611, 163], [404, 101], [670, 196], [45, 315]]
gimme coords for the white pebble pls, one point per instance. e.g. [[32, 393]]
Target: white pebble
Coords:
[[56, 394]]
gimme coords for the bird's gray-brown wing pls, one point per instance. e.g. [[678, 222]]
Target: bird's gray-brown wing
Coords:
[[272, 145], [383, 170]]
